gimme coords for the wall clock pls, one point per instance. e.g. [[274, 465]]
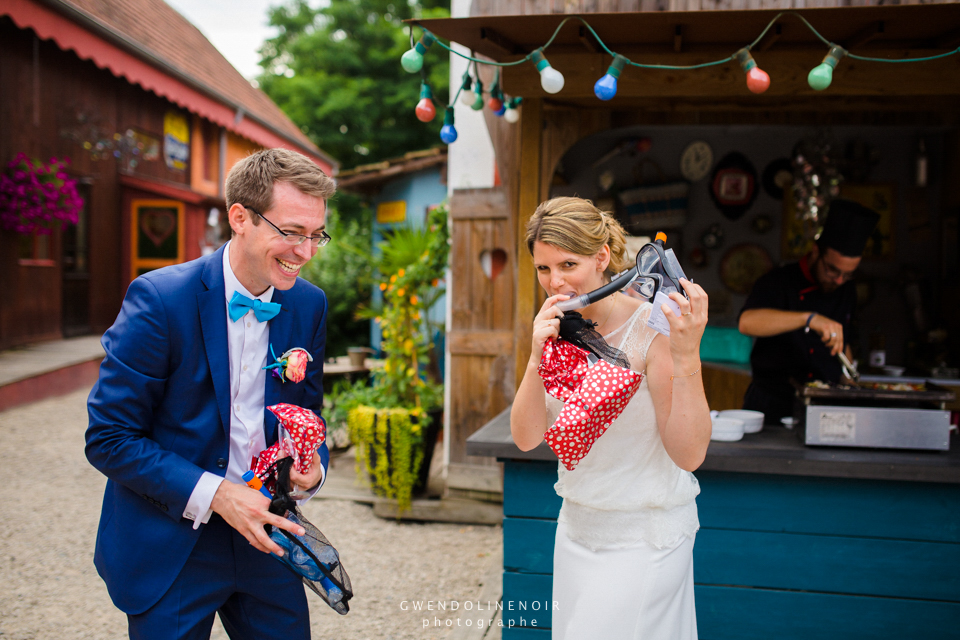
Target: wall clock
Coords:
[[696, 160]]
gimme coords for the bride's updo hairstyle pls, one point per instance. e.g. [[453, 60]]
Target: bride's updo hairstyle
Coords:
[[575, 225]]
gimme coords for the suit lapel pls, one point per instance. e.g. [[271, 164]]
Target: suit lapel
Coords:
[[213, 322], [281, 338]]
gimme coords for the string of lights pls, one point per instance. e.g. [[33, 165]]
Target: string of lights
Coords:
[[552, 81]]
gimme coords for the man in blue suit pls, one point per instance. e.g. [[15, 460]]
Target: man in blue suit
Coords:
[[179, 412]]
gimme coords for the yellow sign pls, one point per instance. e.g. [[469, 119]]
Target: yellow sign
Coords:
[[395, 211], [176, 141]]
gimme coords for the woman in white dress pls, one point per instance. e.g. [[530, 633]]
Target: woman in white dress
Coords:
[[623, 561]]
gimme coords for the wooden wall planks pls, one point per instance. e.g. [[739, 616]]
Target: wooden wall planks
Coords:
[[532, 7], [725, 613], [481, 336], [781, 556], [830, 506]]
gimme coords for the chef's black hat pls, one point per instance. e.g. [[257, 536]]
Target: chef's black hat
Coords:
[[848, 227]]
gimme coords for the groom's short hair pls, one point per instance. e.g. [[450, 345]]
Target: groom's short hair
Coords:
[[250, 181]]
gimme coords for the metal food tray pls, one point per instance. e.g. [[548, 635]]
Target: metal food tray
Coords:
[[933, 394]]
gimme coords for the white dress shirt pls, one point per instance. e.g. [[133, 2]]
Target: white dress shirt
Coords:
[[248, 342]]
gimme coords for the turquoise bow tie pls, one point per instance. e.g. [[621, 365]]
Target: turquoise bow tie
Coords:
[[240, 304]]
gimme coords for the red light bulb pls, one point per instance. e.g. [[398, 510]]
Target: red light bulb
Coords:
[[495, 103], [757, 80], [425, 110]]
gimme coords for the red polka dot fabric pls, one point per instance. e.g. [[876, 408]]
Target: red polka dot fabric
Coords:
[[593, 397], [306, 432]]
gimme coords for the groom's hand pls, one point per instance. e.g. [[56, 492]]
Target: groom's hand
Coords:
[[246, 510], [308, 480]]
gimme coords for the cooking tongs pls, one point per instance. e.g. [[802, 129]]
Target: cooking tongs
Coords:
[[849, 368]]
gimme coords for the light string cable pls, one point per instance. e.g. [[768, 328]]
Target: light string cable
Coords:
[[641, 65]]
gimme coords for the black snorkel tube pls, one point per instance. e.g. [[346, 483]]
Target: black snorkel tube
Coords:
[[669, 264]]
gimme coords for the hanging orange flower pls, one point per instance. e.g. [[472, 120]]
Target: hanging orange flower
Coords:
[[383, 286]]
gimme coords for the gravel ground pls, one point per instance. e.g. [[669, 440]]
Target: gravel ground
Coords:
[[48, 523]]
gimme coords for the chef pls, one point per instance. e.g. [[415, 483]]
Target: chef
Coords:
[[801, 312]]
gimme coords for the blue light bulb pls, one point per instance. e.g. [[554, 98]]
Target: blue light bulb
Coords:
[[448, 133], [502, 110], [606, 87]]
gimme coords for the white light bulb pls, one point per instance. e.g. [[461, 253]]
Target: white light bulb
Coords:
[[551, 80], [467, 97], [511, 115]]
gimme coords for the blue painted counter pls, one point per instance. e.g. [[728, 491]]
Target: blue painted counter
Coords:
[[795, 542]]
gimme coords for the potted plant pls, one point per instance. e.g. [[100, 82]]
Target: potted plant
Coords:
[[35, 196], [394, 421]]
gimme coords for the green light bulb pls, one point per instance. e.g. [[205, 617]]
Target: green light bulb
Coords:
[[411, 61], [820, 76], [478, 103]]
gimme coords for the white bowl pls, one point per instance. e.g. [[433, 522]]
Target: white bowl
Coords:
[[896, 372], [727, 430], [752, 420]]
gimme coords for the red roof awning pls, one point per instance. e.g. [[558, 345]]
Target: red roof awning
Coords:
[[69, 36]]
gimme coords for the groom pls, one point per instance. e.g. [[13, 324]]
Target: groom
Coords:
[[179, 412]]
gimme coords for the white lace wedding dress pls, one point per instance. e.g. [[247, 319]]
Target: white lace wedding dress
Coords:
[[623, 561]]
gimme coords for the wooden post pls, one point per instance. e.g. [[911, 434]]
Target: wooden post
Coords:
[[530, 131]]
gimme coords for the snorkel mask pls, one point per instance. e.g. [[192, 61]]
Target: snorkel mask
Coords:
[[657, 269]]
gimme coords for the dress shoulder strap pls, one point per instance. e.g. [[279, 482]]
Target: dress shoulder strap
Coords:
[[637, 338]]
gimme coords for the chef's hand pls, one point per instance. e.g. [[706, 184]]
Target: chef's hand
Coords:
[[831, 332], [687, 330], [546, 325], [247, 510], [310, 479]]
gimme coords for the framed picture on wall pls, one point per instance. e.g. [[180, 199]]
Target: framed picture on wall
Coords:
[[157, 234]]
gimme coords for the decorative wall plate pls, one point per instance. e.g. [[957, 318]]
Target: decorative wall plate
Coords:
[[696, 160], [777, 177], [742, 265], [733, 185]]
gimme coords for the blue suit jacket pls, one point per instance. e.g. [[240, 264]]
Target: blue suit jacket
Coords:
[[160, 415]]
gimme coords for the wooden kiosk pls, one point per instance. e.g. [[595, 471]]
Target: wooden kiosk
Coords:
[[794, 542]]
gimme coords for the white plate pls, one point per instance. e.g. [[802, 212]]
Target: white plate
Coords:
[[752, 420], [725, 436], [726, 429]]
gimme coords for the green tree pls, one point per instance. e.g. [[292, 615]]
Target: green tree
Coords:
[[344, 270], [335, 70]]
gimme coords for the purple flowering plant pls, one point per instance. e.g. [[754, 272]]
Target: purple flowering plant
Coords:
[[36, 195]]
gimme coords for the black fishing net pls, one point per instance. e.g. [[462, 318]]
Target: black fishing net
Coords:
[[580, 332], [310, 556]]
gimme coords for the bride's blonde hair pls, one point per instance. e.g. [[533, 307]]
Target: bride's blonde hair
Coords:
[[577, 226]]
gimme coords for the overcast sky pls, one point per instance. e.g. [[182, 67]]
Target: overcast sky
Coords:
[[236, 27]]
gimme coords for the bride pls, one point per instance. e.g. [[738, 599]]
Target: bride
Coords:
[[623, 560]]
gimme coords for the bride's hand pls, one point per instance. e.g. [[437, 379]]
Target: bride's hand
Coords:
[[546, 325], [687, 330]]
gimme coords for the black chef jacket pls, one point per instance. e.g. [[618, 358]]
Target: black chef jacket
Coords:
[[796, 354]]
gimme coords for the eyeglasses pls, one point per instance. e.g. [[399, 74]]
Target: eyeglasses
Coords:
[[833, 273], [295, 239]]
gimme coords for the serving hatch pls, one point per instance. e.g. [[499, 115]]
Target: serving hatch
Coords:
[[884, 415]]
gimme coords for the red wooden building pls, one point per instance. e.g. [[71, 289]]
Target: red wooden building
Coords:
[[152, 117]]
